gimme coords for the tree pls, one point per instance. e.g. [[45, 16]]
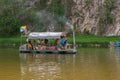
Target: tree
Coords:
[[9, 19]]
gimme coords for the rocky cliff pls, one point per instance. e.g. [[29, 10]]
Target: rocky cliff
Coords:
[[99, 17]]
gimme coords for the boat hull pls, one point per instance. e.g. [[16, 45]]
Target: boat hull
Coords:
[[50, 51]]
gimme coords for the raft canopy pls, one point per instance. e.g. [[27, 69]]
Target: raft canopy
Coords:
[[45, 35]]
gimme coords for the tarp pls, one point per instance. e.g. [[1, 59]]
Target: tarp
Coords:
[[45, 35]]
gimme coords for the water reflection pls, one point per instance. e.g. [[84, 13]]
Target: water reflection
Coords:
[[87, 64], [9, 64], [116, 57], [44, 66], [98, 64]]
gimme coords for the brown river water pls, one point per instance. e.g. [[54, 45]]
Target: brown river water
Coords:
[[87, 64]]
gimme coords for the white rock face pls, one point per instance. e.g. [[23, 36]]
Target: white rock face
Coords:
[[86, 16]]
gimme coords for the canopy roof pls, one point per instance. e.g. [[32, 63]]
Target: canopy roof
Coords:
[[45, 35]]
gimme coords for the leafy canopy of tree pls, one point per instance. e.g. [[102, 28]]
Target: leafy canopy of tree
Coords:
[[15, 13], [9, 19]]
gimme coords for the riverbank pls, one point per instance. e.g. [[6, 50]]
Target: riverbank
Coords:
[[84, 40], [11, 41]]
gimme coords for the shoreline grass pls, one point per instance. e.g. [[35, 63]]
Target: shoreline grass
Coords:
[[83, 39], [95, 39]]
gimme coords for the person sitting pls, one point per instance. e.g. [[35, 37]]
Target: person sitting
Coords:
[[63, 42], [29, 45], [46, 41], [57, 44], [34, 43]]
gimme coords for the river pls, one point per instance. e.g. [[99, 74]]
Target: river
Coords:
[[87, 64]]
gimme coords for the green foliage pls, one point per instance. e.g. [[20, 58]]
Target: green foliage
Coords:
[[109, 18], [9, 24], [15, 13], [57, 8], [42, 4], [88, 2], [106, 18], [101, 22], [9, 18]]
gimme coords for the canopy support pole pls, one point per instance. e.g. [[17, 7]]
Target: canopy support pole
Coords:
[[21, 39], [74, 47]]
